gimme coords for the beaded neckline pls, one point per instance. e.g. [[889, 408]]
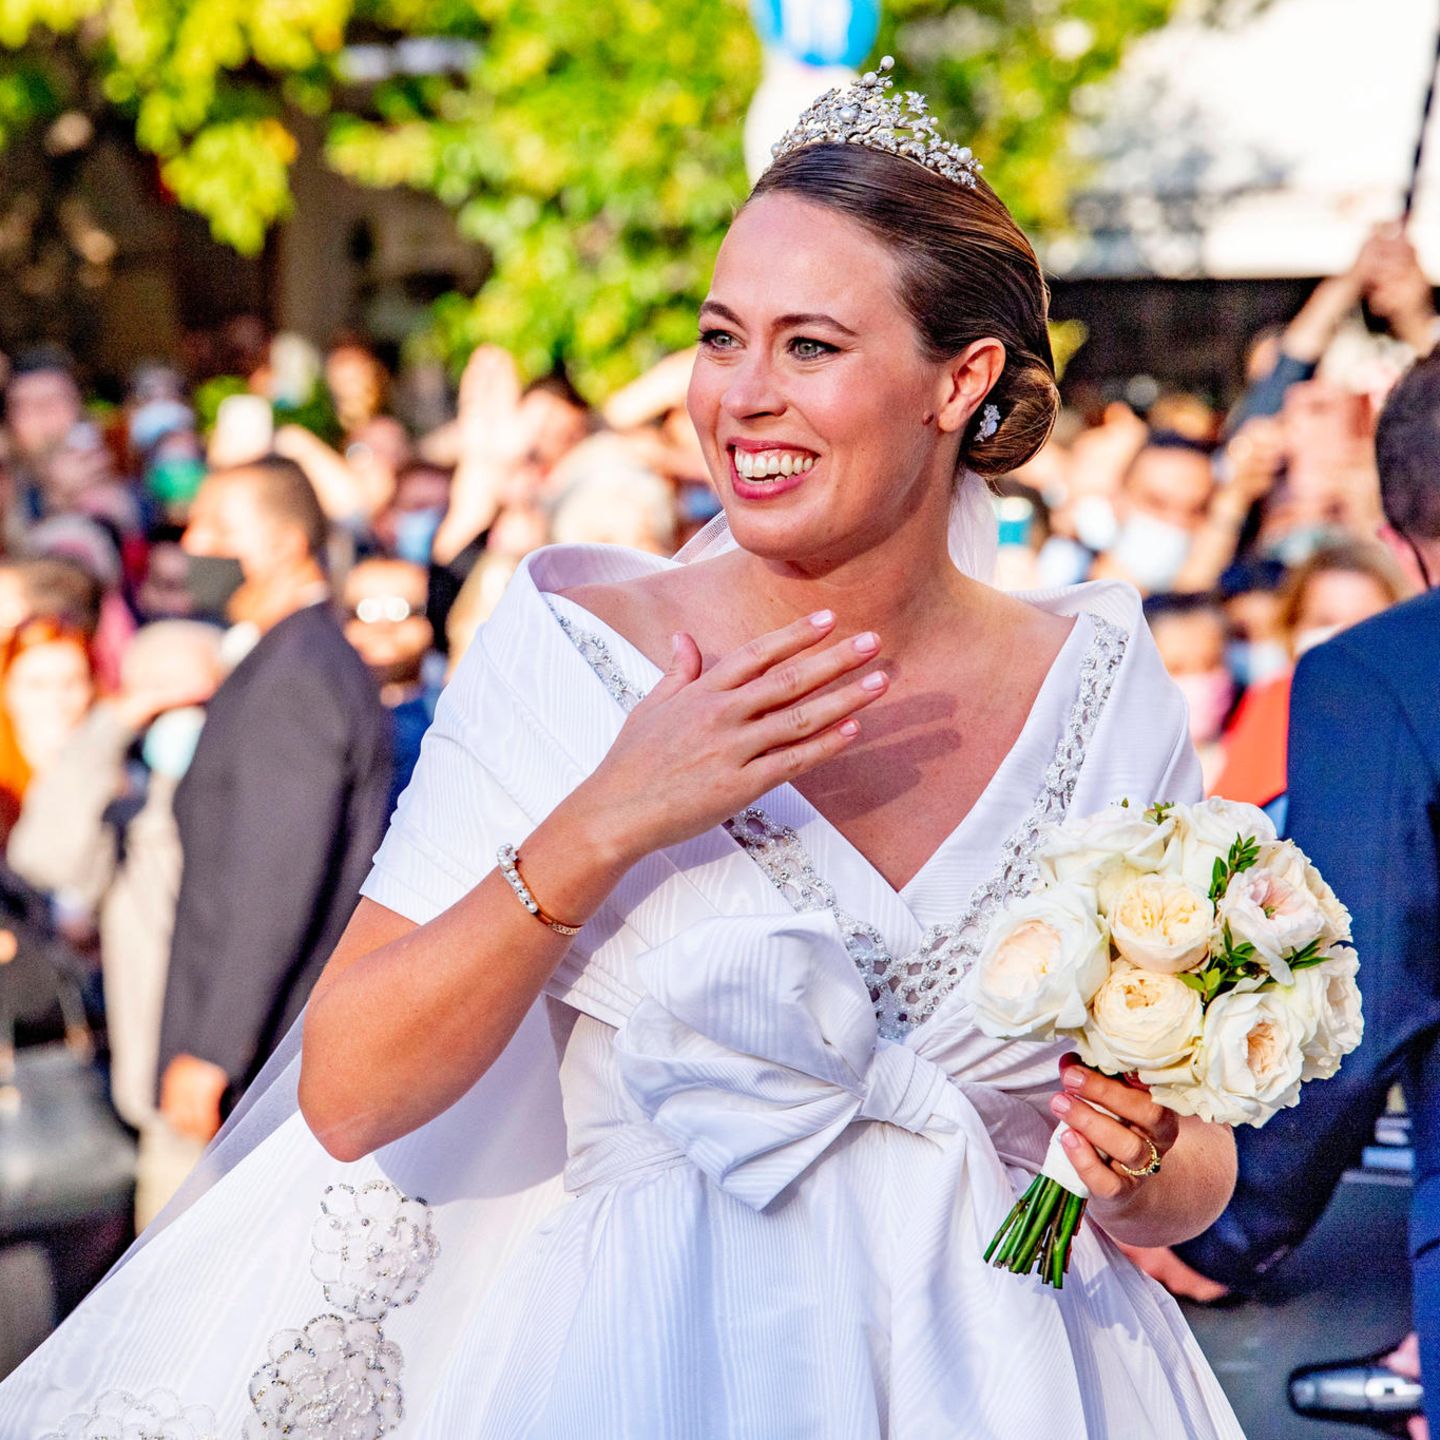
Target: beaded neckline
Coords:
[[906, 990]]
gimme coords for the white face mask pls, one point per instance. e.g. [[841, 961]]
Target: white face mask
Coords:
[[1152, 550], [1095, 523], [1315, 635]]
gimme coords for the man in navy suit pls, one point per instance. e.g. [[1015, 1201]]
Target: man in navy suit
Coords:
[[1364, 786]]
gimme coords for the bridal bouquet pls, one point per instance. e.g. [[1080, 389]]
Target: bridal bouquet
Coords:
[[1183, 947]]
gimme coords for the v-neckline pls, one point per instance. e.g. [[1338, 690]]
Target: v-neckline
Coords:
[[634, 663]]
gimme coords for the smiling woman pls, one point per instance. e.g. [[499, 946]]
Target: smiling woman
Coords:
[[712, 1142]]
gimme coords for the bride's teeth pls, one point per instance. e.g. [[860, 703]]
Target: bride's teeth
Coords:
[[752, 465]]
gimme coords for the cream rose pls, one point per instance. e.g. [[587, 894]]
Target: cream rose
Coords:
[[1162, 924], [1205, 832], [1105, 850], [1327, 999], [1271, 906], [1248, 1064], [1142, 1021], [1043, 960], [1337, 917]]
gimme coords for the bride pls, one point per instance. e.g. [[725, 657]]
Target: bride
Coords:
[[673, 1125]]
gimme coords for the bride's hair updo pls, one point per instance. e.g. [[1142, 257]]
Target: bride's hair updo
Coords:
[[967, 273]]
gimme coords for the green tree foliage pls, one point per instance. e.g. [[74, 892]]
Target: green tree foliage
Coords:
[[593, 147]]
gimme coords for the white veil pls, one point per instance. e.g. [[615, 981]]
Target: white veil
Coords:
[[972, 535]]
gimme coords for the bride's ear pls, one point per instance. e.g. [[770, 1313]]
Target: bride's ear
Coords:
[[965, 382]]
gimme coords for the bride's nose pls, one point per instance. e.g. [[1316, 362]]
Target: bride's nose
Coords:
[[754, 388]]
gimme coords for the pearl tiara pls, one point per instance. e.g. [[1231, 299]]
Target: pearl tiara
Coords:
[[864, 113]]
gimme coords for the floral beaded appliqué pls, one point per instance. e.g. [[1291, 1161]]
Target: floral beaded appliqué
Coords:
[[338, 1377], [335, 1378], [906, 990], [156, 1415]]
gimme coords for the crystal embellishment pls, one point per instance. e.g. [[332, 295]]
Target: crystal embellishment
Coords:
[[906, 990], [867, 113]]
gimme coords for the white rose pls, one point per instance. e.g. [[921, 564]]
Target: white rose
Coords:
[[1327, 999], [1043, 959], [1271, 906], [1145, 1022], [1205, 832], [1337, 917], [1105, 850], [1248, 1064], [1162, 924]]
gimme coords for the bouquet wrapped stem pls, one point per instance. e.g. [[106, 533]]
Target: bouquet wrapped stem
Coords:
[[1039, 1230]]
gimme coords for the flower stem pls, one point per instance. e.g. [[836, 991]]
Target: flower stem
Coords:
[[1037, 1233]]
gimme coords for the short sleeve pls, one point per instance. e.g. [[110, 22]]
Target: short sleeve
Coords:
[[449, 822]]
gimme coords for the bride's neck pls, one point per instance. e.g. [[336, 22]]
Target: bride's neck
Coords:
[[896, 591]]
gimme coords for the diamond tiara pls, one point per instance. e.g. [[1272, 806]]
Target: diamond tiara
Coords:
[[864, 113]]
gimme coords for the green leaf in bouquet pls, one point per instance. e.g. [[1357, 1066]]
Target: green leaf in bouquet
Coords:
[[1310, 955], [1219, 878], [1195, 982], [1159, 810], [1243, 854]]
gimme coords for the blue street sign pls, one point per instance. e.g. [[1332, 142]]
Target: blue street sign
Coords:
[[819, 32]]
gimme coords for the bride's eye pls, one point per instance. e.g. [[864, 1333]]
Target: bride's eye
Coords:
[[718, 340], [804, 348]]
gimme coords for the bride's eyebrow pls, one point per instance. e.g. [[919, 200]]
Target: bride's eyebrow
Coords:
[[793, 321]]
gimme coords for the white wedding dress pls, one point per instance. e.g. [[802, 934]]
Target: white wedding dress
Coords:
[[732, 1178]]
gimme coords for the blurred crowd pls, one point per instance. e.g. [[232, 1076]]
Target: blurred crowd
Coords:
[[1254, 532], [229, 599]]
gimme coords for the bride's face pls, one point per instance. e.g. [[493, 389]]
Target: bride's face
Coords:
[[812, 398]]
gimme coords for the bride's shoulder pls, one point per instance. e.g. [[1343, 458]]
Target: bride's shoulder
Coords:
[[646, 609], [1040, 631]]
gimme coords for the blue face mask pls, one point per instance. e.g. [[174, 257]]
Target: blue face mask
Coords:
[[169, 744], [1252, 662], [415, 532]]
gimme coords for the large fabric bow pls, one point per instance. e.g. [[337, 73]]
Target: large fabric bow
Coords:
[[756, 1045]]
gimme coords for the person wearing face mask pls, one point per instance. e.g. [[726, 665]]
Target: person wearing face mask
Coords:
[[1337, 587], [1163, 502], [385, 621], [1257, 648], [99, 828], [1189, 631], [284, 801]]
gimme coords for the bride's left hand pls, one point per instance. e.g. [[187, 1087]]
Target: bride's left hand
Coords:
[[1099, 1144]]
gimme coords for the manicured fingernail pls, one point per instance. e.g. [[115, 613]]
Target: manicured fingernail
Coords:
[[675, 643], [1061, 1104], [875, 680], [1073, 1078], [1070, 1140], [850, 727], [822, 618], [867, 642]]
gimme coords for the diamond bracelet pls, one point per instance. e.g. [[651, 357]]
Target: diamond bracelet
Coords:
[[509, 861]]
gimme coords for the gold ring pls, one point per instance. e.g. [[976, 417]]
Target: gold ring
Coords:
[[1153, 1168]]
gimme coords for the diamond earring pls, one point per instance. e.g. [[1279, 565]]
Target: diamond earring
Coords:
[[989, 422]]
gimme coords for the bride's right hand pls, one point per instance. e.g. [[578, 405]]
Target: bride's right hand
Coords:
[[704, 744]]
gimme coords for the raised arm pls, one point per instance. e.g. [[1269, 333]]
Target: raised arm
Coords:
[[407, 1017]]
